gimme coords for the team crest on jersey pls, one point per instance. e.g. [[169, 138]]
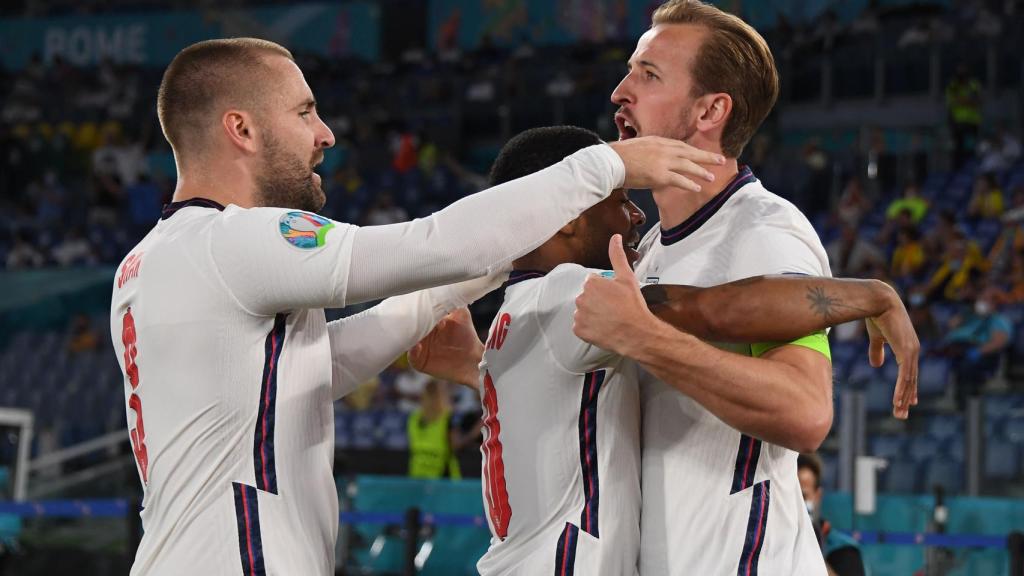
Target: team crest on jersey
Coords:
[[305, 230]]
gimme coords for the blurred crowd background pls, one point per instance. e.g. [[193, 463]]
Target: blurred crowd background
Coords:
[[898, 134]]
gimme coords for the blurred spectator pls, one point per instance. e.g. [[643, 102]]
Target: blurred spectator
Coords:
[[23, 254], [853, 255], [842, 553], [963, 103], [975, 343], [1014, 292], [940, 236], [144, 203], [409, 386], [910, 201], [1010, 241], [987, 199], [433, 440], [925, 324], [107, 195], [853, 203], [74, 249], [362, 397], [83, 337], [908, 258], [999, 152], [962, 260], [384, 211]]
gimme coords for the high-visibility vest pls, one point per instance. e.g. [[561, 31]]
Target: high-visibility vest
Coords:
[[957, 93], [430, 452]]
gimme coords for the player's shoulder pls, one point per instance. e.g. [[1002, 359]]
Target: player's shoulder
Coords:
[[757, 210], [298, 228]]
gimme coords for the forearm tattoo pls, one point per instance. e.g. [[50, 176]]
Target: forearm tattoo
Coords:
[[828, 306]]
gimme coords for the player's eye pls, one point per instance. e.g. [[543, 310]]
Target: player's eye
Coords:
[[650, 75], [304, 114]]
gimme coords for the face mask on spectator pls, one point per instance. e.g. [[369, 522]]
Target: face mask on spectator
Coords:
[[982, 308]]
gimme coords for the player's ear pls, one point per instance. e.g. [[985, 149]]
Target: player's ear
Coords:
[[239, 128], [713, 111]]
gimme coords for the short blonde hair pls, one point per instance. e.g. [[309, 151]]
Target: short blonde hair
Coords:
[[734, 59], [206, 76]]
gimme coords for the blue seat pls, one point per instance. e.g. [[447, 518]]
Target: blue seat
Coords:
[[941, 472], [922, 448], [1014, 429], [933, 377], [889, 446], [899, 477], [878, 397], [1001, 459], [862, 374], [945, 426]]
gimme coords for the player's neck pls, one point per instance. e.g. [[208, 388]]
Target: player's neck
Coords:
[[675, 205], [225, 191]]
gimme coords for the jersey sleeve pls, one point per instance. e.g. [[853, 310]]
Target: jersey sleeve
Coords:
[[556, 307], [273, 260], [482, 232], [780, 248], [364, 344]]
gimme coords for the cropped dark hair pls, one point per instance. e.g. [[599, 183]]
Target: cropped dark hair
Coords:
[[538, 148]]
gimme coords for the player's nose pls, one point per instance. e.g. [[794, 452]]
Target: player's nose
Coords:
[[324, 136], [623, 93]]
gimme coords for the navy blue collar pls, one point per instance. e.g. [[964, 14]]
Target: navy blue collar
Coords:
[[705, 212], [172, 208], [517, 276]]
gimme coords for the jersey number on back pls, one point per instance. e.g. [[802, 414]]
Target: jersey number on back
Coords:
[[131, 370], [498, 508]]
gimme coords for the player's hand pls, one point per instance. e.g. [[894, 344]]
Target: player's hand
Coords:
[[893, 327], [656, 162], [610, 312], [451, 351]]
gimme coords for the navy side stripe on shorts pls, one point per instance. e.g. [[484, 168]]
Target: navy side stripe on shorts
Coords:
[[565, 556], [746, 463], [250, 543], [756, 525], [263, 446], [588, 451]]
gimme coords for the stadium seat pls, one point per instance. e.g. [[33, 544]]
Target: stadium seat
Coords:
[[899, 477], [889, 446], [878, 397], [933, 376], [1001, 460], [941, 472], [922, 448], [1014, 429], [945, 426]]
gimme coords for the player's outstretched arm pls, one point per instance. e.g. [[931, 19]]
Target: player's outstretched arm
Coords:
[[784, 308], [364, 344], [489, 229]]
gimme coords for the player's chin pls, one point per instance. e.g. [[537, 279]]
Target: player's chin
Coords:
[[631, 256]]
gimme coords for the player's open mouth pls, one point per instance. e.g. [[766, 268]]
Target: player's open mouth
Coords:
[[626, 127]]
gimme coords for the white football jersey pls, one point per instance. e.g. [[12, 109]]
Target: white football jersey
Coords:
[[218, 324], [716, 501], [229, 406], [561, 454]]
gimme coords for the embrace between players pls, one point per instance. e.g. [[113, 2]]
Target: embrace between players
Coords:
[[617, 439]]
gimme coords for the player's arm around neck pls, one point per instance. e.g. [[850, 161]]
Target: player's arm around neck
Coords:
[[784, 397], [737, 312]]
